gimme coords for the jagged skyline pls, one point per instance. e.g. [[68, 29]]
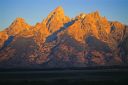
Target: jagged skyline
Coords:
[[58, 41], [34, 11]]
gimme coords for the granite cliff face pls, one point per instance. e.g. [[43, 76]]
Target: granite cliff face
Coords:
[[19, 25], [58, 41], [90, 24], [41, 33], [56, 19], [3, 38]]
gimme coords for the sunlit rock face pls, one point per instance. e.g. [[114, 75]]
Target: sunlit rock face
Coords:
[[117, 30], [89, 24], [19, 25], [56, 19], [3, 38], [61, 42], [41, 33]]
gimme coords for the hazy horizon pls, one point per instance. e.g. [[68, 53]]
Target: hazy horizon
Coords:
[[34, 11]]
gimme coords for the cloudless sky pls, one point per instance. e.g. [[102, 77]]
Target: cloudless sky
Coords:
[[34, 11]]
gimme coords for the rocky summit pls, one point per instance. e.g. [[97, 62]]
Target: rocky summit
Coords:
[[62, 42]]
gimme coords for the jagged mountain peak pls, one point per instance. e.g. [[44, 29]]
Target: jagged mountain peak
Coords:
[[19, 19], [56, 19], [80, 16], [56, 12], [90, 24], [18, 25], [95, 14], [59, 8]]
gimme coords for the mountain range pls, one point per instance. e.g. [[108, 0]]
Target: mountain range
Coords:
[[63, 42]]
